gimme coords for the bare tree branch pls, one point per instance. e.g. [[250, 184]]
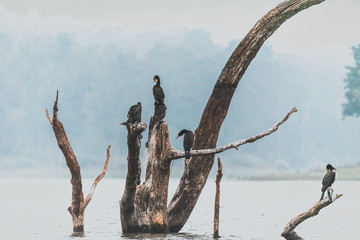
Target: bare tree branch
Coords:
[[289, 233], [176, 154], [218, 104], [98, 179]]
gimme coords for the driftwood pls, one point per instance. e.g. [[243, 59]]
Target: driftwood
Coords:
[[289, 233], [78, 203], [195, 175], [143, 207], [217, 200]]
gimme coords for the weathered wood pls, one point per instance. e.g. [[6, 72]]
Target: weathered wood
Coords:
[[147, 205], [217, 200], [195, 175], [98, 178], [78, 204], [289, 233], [128, 218], [143, 207]]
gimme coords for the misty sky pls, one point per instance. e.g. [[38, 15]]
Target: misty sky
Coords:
[[330, 25]]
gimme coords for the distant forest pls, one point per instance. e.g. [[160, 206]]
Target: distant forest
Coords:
[[100, 74]]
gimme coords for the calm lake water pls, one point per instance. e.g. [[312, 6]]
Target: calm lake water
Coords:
[[37, 209]]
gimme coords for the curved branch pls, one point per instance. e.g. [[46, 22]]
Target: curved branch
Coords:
[[289, 233], [176, 154], [98, 179], [217, 107]]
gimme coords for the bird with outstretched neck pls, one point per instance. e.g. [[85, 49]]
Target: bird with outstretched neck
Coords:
[[160, 107], [134, 114], [188, 141], [328, 179]]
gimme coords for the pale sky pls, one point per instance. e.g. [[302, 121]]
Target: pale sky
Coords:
[[332, 24]]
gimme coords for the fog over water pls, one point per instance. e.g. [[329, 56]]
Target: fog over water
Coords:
[[102, 58]]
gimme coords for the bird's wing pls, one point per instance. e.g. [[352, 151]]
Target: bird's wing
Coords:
[[188, 140], [328, 179], [158, 92]]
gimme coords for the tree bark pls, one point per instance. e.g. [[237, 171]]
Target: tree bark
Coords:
[[195, 175], [289, 233], [143, 207], [217, 200], [78, 204], [128, 220]]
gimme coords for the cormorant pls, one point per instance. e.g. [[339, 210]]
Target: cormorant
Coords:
[[134, 114], [158, 91], [160, 111], [188, 141], [328, 179]]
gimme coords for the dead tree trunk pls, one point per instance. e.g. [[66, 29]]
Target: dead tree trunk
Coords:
[[195, 175], [217, 200], [289, 233], [143, 207], [78, 203]]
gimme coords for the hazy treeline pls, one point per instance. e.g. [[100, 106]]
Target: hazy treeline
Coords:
[[101, 73]]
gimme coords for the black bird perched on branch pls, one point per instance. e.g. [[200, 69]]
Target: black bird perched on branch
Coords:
[[160, 107], [188, 141], [134, 114], [158, 91], [328, 179]]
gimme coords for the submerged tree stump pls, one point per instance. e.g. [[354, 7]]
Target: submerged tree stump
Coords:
[[78, 203], [144, 206], [217, 200]]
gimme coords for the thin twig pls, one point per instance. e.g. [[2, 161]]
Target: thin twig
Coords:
[[48, 117]]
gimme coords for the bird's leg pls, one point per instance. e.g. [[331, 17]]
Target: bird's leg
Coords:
[[329, 191]]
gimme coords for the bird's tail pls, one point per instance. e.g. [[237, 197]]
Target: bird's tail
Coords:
[[322, 195], [187, 154]]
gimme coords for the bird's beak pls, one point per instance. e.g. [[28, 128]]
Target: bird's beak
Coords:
[[177, 137]]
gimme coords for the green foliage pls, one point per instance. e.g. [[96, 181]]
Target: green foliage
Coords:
[[352, 87]]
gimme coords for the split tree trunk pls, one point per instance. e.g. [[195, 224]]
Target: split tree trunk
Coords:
[[195, 175], [143, 207], [78, 203]]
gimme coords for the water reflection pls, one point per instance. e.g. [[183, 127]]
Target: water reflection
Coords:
[[182, 235]]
